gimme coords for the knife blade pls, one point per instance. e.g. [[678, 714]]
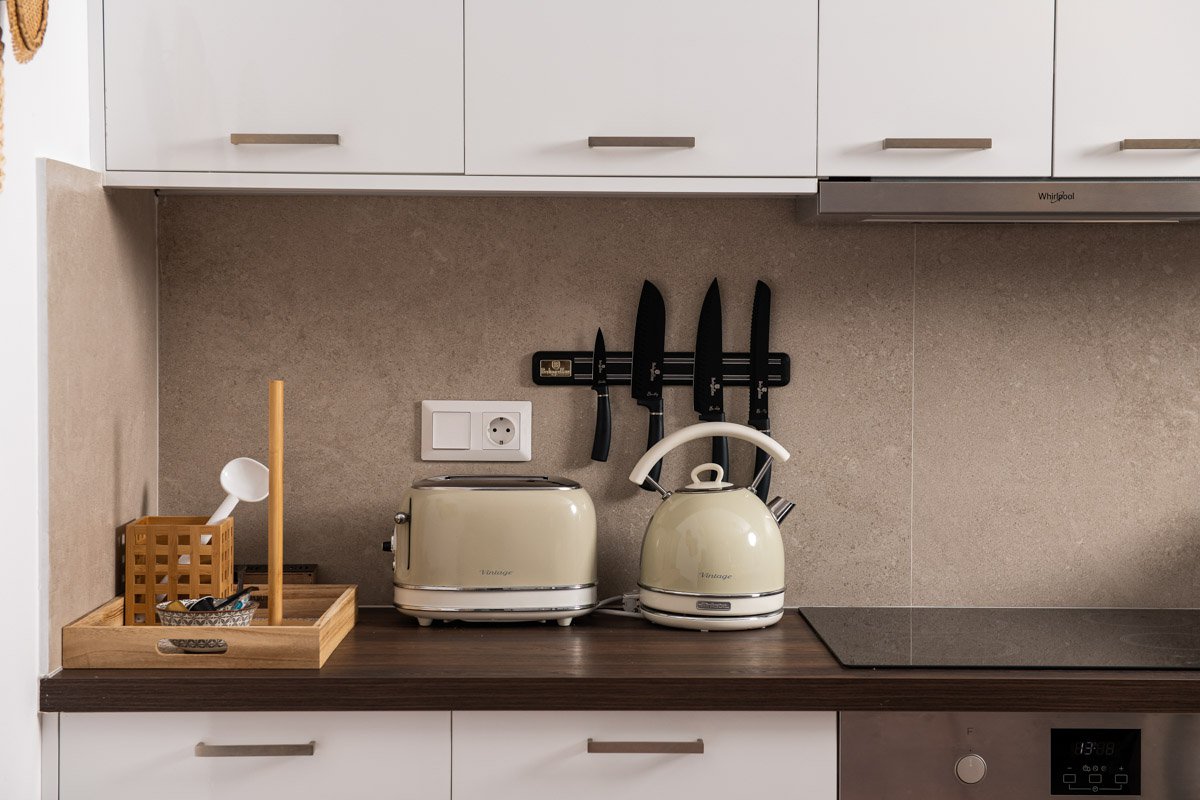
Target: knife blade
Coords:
[[760, 348], [603, 435], [649, 342], [708, 374]]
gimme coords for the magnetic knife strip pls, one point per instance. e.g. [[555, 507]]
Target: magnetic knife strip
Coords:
[[574, 368]]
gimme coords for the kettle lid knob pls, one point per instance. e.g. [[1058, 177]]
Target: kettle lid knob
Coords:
[[716, 484]]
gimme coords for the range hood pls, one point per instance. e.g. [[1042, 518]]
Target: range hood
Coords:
[[924, 200]]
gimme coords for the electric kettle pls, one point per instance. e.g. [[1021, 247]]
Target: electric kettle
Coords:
[[712, 555]]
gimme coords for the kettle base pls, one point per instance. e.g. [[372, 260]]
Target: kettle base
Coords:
[[701, 623]]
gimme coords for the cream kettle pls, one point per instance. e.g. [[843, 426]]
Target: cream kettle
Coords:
[[712, 555]]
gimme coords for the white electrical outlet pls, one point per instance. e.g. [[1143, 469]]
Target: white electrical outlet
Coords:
[[501, 431], [476, 430]]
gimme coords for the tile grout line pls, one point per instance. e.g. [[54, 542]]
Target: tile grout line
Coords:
[[912, 418]]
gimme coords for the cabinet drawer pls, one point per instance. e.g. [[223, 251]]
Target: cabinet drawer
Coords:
[[940, 79], [522, 755], [1127, 74], [368, 754], [382, 76], [736, 76]]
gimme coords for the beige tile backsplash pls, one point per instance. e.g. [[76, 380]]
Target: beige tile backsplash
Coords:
[[1057, 416], [102, 383], [979, 414], [366, 306]]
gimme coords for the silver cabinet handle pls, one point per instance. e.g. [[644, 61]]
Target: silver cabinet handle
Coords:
[[253, 750], [641, 141], [645, 747], [284, 138], [937, 144], [1160, 144]]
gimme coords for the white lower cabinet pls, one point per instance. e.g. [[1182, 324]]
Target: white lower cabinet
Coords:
[[407, 755], [600, 755], [204, 756]]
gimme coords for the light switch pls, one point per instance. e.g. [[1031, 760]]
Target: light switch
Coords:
[[451, 430]]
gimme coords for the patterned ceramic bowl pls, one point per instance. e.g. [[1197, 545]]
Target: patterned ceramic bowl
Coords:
[[224, 619]]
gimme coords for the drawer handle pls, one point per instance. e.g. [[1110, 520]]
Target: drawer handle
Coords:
[[937, 144], [253, 750], [284, 138], [1160, 144], [645, 747], [641, 141]]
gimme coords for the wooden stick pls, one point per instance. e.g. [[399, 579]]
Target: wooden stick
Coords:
[[275, 504]]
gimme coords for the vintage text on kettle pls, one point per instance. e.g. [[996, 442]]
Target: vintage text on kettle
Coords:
[[712, 556]]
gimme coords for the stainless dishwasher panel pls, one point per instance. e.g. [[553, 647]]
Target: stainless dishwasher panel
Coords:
[[900, 755]]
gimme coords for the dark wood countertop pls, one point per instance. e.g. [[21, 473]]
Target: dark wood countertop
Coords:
[[389, 663]]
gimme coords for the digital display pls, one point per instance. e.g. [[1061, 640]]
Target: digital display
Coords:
[[1095, 761], [1090, 747]]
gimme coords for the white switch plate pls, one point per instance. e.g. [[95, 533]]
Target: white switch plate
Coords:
[[463, 430]]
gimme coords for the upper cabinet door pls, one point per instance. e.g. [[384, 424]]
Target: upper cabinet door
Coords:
[[353, 86], [929, 88], [641, 87], [1125, 98]]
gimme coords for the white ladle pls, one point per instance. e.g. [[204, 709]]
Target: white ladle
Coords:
[[243, 479]]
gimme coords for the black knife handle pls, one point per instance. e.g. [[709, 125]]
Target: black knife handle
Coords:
[[720, 445], [655, 435], [603, 437], [760, 458]]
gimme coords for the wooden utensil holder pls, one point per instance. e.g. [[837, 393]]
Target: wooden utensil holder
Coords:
[[154, 547]]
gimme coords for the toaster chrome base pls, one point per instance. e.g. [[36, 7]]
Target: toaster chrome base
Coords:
[[561, 603]]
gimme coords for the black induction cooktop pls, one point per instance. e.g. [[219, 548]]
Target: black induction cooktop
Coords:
[[1062, 638]]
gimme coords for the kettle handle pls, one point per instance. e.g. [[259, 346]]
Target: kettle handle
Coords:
[[705, 430]]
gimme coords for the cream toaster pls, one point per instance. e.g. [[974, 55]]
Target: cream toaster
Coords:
[[495, 548]]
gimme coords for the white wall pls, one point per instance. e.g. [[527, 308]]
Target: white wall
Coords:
[[45, 115]]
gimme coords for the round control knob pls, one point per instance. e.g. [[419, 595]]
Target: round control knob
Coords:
[[970, 769]]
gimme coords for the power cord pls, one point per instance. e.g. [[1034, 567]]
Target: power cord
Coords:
[[629, 606]]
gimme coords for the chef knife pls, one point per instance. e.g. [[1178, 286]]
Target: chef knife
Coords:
[[760, 347], [603, 435], [649, 336], [708, 396]]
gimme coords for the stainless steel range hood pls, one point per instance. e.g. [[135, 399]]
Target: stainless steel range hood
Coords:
[[905, 200]]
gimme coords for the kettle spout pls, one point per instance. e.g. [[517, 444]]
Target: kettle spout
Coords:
[[780, 508]]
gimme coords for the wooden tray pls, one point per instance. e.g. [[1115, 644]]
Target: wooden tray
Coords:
[[317, 618]]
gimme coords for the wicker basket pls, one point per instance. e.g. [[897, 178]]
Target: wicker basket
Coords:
[[167, 558]]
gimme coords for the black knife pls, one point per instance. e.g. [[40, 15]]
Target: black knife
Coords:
[[760, 348], [603, 435], [649, 336], [708, 396]]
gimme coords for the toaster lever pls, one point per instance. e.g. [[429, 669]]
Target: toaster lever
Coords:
[[387, 546]]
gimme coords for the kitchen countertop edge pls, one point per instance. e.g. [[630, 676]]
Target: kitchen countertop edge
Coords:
[[388, 664]]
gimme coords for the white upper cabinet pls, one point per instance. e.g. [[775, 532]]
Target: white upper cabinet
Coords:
[[937, 88], [641, 87], [358, 86], [1125, 98]]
